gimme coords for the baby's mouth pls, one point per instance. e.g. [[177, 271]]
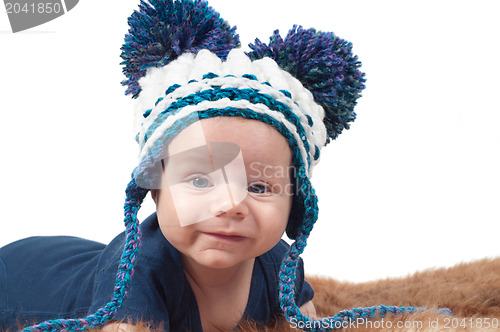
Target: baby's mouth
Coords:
[[225, 237]]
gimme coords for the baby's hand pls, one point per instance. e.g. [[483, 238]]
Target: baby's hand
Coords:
[[119, 327], [308, 309]]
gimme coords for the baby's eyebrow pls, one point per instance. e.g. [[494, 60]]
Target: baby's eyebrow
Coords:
[[198, 155], [206, 158]]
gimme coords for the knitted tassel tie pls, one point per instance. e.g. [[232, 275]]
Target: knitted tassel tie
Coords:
[[287, 277], [134, 198]]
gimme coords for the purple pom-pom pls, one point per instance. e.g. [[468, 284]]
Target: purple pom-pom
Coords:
[[161, 30], [325, 65]]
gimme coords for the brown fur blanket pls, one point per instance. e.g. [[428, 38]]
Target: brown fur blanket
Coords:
[[471, 291]]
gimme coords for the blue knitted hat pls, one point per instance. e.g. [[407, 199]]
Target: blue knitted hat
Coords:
[[183, 64]]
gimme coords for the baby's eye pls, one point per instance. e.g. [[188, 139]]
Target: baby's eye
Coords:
[[259, 188], [201, 183]]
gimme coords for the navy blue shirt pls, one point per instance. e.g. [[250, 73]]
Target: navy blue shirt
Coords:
[[67, 277]]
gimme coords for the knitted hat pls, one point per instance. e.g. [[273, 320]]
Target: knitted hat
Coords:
[[183, 64]]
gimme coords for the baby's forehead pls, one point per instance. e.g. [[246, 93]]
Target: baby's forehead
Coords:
[[212, 154], [219, 154], [189, 138], [256, 140]]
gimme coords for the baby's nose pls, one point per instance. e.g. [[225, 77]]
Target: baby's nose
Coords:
[[230, 204]]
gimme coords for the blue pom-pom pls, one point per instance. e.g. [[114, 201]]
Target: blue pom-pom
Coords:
[[161, 30], [325, 65]]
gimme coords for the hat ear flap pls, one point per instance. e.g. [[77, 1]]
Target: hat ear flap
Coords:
[[161, 30], [325, 65]]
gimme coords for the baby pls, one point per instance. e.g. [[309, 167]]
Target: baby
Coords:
[[228, 142], [218, 254]]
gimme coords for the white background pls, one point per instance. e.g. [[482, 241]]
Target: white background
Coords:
[[414, 184]]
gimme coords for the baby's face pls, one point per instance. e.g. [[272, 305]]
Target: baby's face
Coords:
[[228, 200]]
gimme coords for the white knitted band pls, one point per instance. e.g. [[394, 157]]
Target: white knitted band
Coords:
[[228, 82], [223, 103], [188, 71]]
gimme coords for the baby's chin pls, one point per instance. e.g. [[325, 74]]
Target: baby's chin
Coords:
[[219, 259]]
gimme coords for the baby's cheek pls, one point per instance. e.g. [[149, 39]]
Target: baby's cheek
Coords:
[[166, 214], [170, 228], [273, 231], [175, 236]]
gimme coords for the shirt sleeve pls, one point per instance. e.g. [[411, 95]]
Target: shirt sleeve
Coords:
[[46, 277]]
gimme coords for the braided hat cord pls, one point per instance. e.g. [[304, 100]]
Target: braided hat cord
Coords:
[[287, 278], [134, 198]]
